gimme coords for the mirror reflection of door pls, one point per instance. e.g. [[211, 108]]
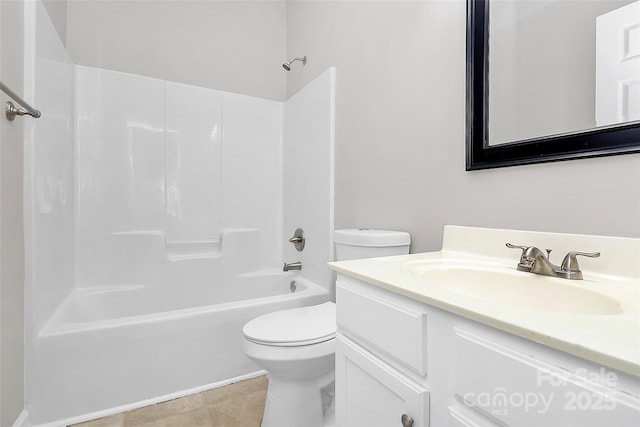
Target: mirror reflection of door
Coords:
[[618, 65], [542, 66]]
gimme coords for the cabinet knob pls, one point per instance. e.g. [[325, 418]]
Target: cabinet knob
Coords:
[[407, 421]]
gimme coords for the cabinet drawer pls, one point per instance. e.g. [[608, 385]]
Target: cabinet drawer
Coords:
[[375, 320]]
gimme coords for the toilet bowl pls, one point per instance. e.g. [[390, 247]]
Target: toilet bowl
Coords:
[[297, 348]]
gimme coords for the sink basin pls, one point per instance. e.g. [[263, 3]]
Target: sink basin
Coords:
[[507, 286]]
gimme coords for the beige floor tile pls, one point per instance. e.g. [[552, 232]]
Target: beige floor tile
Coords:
[[236, 405], [195, 418], [216, 395], [241, 411], [114, 421], [162, 410]]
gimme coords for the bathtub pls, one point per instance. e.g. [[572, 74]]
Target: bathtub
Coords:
[[109, 349]]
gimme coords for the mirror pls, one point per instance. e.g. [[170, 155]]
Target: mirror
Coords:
[[537, 89]]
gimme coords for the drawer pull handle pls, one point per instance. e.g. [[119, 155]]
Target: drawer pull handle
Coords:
[[407, 421]]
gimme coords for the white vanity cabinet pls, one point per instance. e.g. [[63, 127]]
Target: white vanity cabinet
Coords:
[[396, 355]]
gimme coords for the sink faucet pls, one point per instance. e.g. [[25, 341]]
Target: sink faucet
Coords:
[[292, 266], [533, 260]]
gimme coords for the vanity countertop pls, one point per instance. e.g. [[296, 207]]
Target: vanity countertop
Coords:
[[612, 340]]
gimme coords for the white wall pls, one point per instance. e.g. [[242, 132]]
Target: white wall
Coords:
[[308, 159], [57, 10], [400, 125], [11, 223], [235, 46]]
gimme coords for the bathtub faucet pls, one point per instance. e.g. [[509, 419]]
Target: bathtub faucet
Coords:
[[292, 266]]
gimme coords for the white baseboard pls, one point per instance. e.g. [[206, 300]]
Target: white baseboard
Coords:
[[142, 403]]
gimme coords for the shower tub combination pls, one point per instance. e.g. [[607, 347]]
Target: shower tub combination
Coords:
[[105, 351], [148, 244]]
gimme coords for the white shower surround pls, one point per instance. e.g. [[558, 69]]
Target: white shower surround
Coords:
[[150, 161], [155, 224]]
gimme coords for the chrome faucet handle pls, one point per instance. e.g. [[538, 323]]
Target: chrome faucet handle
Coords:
[[406, 420], [511, 246], [298, 239], [570, 262], [570, 268], [525, 249], [529, 252]]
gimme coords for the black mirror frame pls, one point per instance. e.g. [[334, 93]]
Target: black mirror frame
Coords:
[[605, 141]]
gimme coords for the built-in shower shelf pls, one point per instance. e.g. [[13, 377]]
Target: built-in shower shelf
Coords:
[[178, 250], [174, 249]]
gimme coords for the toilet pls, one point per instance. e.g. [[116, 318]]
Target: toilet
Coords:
[[297, 346]]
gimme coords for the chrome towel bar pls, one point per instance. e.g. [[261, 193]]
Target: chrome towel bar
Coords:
[[10, 108]]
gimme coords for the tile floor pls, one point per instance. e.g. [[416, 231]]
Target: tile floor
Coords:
[[236, 405]]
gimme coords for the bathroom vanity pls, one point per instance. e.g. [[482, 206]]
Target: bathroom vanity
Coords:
[[461, 338]]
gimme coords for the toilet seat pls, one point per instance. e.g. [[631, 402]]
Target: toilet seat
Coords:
[[293, 327]]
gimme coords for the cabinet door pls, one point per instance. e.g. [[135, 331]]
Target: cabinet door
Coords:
[[512, 388], [370, 393]]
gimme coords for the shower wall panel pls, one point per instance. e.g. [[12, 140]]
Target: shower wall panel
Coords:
[[120, 165], [252, 174], [161, 176], [192, 138], [48, 170], [309, 118]]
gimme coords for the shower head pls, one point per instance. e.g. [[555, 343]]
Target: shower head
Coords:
[[287, 65]]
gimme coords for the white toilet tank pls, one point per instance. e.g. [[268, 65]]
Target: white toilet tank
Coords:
[[355, 243]]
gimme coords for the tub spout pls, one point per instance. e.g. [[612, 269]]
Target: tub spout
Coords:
[[292, 266]]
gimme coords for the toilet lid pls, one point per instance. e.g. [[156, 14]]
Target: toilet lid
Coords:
[[293, 327]]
